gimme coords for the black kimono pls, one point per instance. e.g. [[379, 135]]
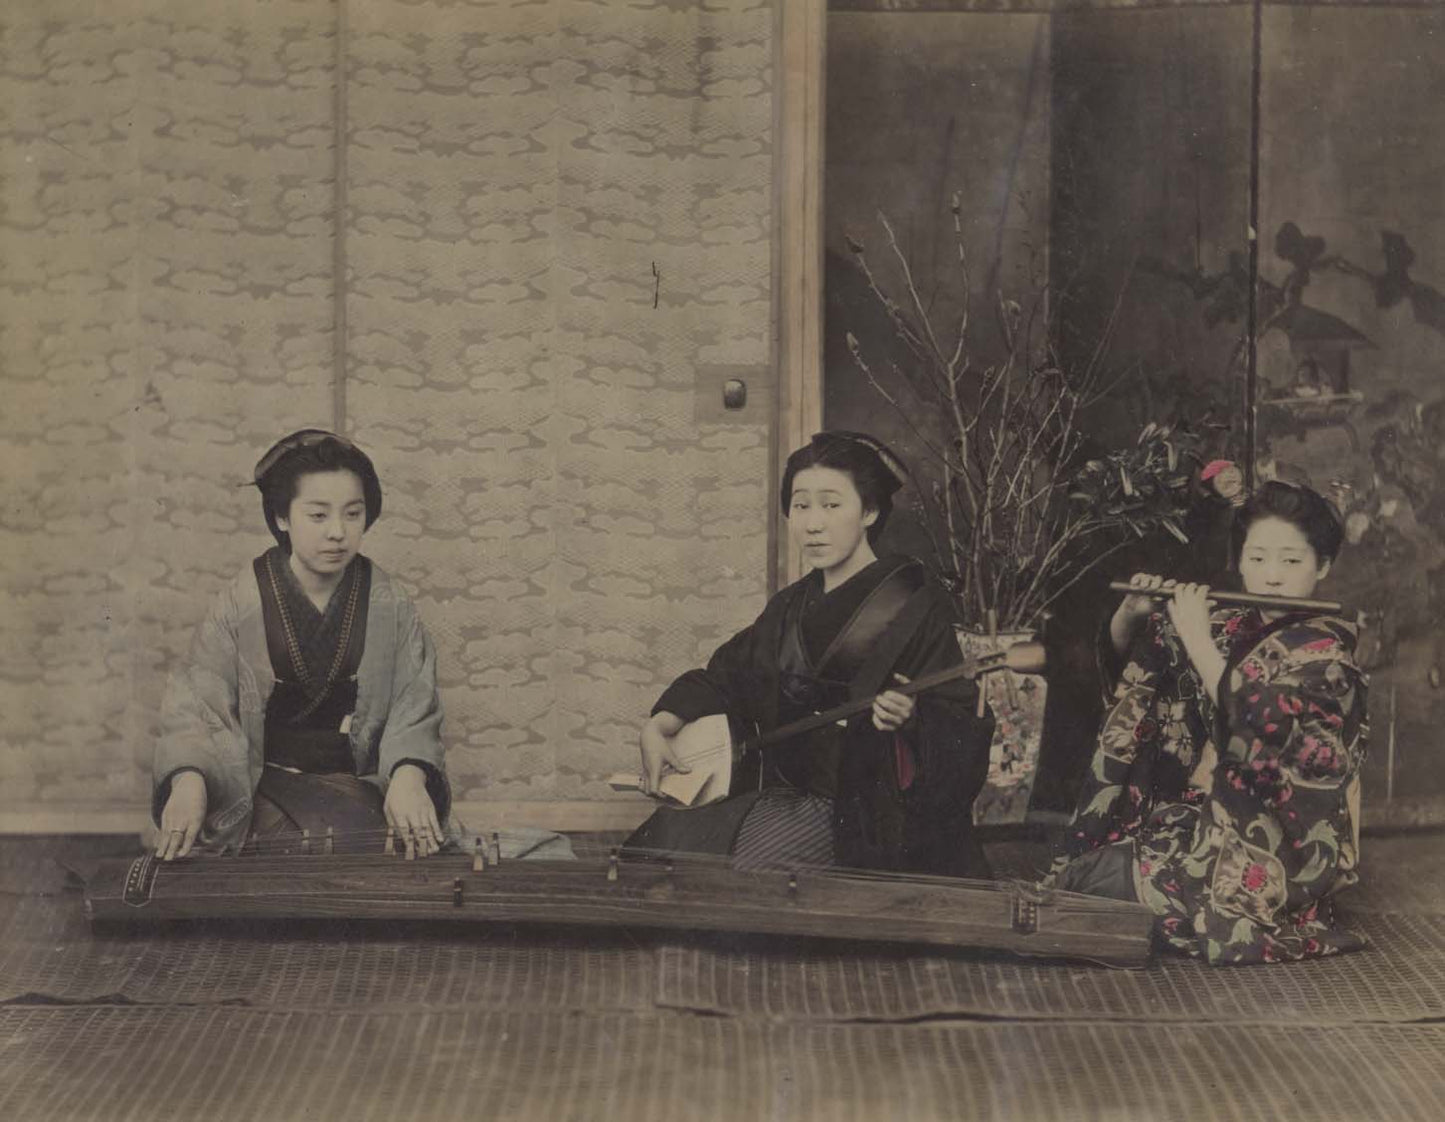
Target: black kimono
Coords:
[[894, 801]]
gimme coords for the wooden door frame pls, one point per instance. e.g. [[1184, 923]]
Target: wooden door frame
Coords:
[[799, 59]]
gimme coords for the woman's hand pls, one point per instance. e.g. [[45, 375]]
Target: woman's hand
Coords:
[[1134, 608], [410, 811], [891, 709], [1189, 613], [184, 813], [658, 750], [1141, 603]]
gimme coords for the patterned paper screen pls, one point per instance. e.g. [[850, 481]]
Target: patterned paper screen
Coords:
[[556, 214]]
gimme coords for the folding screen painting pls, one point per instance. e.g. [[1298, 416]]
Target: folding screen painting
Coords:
[[1100, 166]]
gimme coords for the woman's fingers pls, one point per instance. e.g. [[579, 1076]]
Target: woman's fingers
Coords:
[[188, 839], [182, 816], [178, 837], [1140, 601], [675, 761], [414, 820], [1192, 591], [415, 823], [175, 842], [413, 836], [654, 752], [428, 829], [1188, 610], [896, 702], [426, 839], [891, 710], [397, 822], [659, 752]]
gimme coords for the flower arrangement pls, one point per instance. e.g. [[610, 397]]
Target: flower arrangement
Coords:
[[1016, 511]]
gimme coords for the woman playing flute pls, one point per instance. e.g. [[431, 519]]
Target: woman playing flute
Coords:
[[1224, 791]]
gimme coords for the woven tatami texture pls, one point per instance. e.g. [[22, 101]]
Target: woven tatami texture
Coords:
[[1400, 978], [225, 1063], [47, 953]]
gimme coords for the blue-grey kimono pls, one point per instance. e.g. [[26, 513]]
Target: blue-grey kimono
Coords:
[[214, 712]]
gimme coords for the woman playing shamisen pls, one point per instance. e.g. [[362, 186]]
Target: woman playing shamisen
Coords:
[[894, 788]]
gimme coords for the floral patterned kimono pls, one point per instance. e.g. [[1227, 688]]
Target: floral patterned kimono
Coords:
[[1240, 821]]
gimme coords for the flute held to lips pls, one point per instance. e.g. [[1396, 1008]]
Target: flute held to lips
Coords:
[[1247, 599]]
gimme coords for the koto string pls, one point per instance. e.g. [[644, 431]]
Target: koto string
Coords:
[[252, 864]]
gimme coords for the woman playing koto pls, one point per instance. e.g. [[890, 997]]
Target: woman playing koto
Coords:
[[894, 789], [309, 697], [1224, 791]]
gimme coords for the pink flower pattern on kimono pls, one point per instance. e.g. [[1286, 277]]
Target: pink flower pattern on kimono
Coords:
[[1244, 868]]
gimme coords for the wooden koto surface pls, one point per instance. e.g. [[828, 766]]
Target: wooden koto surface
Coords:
[[682, 894]]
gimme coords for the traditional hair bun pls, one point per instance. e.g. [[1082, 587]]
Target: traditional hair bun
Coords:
[[876, 472], [301, 453]]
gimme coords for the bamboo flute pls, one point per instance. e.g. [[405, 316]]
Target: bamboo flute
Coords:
[[1244, 599]]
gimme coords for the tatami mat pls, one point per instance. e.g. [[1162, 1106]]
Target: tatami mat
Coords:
[[48, 953], [1400, 978], [224, 1063]]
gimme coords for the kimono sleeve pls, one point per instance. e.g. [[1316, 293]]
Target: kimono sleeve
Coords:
[[728, 684], [412, 733], [201, 723], [1146, 745], [939, 760], [949, 740]]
